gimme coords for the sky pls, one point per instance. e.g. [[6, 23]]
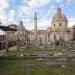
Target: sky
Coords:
[[12, 11]]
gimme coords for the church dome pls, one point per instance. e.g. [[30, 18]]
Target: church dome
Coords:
[[59, 16], [21, 26]]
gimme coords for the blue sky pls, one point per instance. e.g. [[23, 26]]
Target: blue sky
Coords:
[[12, 11]]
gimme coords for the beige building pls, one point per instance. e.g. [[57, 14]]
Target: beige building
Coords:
[[59, 30]]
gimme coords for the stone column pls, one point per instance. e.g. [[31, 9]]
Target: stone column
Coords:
[[26, 40], [6, 41], [46, 40], [35, 29]]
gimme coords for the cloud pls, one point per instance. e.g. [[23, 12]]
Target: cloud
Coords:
[[37, 3], [64, 1], [59, 1], [3, 6], [25, 11], [28, 7], [71, 21], [43, 24], [11, 16], [70, 0]]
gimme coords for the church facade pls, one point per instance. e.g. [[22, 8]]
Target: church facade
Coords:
[[59, 30]]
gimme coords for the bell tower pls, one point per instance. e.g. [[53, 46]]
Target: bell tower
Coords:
[[58, 10]]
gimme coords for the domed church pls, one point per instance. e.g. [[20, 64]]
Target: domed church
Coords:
[[59, 30]]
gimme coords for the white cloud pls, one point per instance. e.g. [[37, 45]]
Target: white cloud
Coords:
[[71, 21], [59, 1], [3, 6], [43, 24], [70, 0], [62, 3], [10, 18], [38, 3], [28, 7]]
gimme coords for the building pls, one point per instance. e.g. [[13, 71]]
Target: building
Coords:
[[73, 32], [7, 39], [59, 30], [56, 34], [2, 42]]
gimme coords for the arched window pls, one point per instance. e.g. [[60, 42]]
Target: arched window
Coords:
[[60, 24], [48, 37], [54, 25], [54, 37]]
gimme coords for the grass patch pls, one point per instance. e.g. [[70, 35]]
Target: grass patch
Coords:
[[17, 67]]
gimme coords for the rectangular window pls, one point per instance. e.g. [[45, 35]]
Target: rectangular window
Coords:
[[54, 25], [60, 24]]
